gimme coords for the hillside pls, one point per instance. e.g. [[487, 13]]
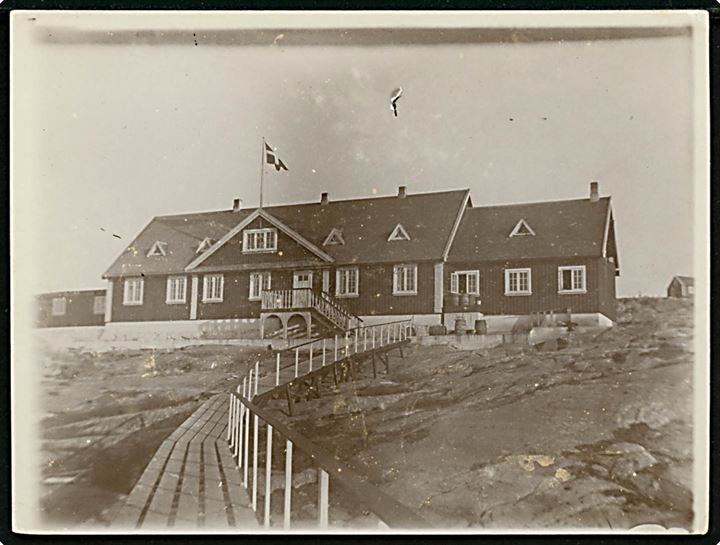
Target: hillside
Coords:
[[598, 434]]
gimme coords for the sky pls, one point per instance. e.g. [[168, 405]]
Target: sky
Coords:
[[114, 132]]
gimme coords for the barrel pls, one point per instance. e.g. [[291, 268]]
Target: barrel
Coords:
[[480, 327], [454, 299], [464, 299], [460, 325]]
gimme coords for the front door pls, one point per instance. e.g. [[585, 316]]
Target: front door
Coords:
[[302, 286]]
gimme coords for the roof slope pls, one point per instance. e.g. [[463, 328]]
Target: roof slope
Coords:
[[365, 225], [686, 280], [562, 229]]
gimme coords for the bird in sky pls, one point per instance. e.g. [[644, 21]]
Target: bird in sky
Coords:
[[394, 96]]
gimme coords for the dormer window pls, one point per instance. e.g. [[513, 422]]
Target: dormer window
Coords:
[[334, 238], [157, 249], [522, 229], [399, 233], [204, 245], [259, 240]]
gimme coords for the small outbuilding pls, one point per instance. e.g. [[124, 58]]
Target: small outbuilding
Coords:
[[681, 286]]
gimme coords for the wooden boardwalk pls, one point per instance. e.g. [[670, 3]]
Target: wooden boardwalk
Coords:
[[192, 481]]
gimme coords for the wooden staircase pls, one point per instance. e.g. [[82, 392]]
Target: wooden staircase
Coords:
[[325, 314]]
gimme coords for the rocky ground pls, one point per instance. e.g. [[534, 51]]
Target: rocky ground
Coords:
[[597, 434], [107, 413]]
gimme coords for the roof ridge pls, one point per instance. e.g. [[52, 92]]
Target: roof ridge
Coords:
[[309, 203], [555, 201]]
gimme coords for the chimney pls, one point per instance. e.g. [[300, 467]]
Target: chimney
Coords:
[[594, 195], [323, 198], [401, 192], [237, 205]]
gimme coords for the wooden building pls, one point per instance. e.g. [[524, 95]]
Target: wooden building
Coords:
[[71, 308], [331, 264], [681, 286]]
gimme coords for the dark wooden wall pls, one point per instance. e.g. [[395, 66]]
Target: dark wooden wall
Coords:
[[78, 309], [600, 284]]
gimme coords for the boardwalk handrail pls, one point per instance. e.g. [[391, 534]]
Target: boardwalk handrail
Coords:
[[388, 510], [300, 298], [314, 341]]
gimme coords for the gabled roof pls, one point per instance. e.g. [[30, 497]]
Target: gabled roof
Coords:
[[562, 229], [365, 224], [685, 280]]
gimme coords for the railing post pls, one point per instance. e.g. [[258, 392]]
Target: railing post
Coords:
[[246, 449], [297, 361], [277, 370], [355, 334], [347, 343], [364, 339], [268, 475], [335, 356], [288, 483], [257, 380], [323, 348], [240, 426], [373, 336], [311, 355], [231, 411], [255, 461], [323, 503]]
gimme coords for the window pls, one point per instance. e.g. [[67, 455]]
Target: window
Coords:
[[691, 290], [133, 292], [59, 306], [259, 240], [176, 290], [259, 282], [465, 282], [518, 282], [213, 288], [204, 245], [522, 228], [99, 304], [335, 237], [399, 233], [405, 280], [158, 249], [571, 279], [347, 282]]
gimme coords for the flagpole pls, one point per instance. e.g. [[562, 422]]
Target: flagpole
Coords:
[[262, 170]]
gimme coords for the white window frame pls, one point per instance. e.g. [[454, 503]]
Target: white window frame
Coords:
[[256, 235], [133, 296], [396, 288], [170, 290], [207, 282], [572, 289], [509, 272], [96, 309], [455, 281], [157, 249], [204, 245], [399, 233], [58, 306], [519, 225], [263, 277], [334, 238], [341, 286]]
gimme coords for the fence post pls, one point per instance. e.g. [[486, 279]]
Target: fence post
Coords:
[[255, 461], [347, 343], [323, 356], [311, 355], [277, 370], [238, 434], [355, 334], [268, 475], [257, 379], [373, 337], [335, 356], [246, 449], [288, 483], [297, 361], [323, 507], [231, 410], [364, 339]]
